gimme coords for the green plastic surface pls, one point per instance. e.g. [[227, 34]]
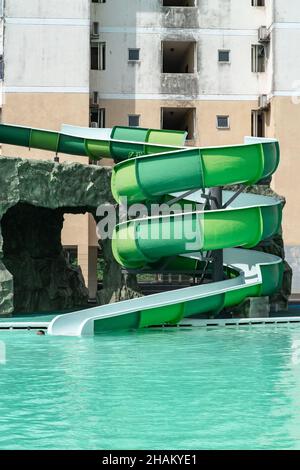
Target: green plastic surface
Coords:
[[154, 164]]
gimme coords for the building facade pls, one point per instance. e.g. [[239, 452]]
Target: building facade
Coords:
[[46, 83], [219, 69]]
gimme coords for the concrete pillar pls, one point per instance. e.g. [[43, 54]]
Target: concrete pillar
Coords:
[[87, 260], [257, 307], [93, 281]]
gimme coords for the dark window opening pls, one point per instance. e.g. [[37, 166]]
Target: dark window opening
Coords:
[[134, 120], [223, 122], [1, 67], [97, 117], [258, 58], [258, 123], [258, 3], [98, 56], [178, 57], [178, 119], [224, 55], [134, 54], [178, 3]]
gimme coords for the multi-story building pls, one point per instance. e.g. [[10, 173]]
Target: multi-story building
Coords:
[[46, 84], [218, 69]]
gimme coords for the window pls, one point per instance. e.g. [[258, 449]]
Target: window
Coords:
[[179, 3], [98, 55], [95, 28], [258, 58], [1, 67], [134, 120], [224, 55], [97, 116], [95, 96], [98, 1], [178, 57], [134, 55], [258, 123], [258, 3], [179, 119], [223, 122]]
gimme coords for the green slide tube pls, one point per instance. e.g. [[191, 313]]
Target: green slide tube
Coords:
[[155, 166], [123, 142], [144, 178]]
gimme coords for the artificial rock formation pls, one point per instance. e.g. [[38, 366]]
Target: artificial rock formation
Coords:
[[35, 275]]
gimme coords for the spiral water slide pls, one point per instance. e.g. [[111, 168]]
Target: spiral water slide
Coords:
[[154, 167]]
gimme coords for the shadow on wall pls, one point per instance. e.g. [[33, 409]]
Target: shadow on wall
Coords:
[[44, 281]]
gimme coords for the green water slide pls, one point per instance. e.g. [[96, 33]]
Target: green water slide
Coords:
[[174, 227], [118, 143]]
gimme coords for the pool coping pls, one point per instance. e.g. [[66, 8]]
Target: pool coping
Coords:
[[13, 325], [185, 323], [204, 323]]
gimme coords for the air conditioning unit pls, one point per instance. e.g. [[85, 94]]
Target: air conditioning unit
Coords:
[[95, 29], [263, 34], [263, 102], [95, 96], [94, 124]]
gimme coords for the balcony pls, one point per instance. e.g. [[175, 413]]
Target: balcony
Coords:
[[179, 68], [180, 84], [181, 14]]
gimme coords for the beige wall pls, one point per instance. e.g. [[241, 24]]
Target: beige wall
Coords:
[[206, 111], [49, 111], [46, 111], [284, 118], [284, 125]]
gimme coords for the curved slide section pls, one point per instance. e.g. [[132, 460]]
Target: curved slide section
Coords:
[[118, 143], [153, 166], [150, 177], [247, 221], [254, 274]]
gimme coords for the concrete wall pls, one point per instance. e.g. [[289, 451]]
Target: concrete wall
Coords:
[[47, 62], [150, 13], [46, 54], [141, 24], [284, 125]]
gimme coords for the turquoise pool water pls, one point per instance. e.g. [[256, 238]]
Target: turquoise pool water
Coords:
[[176, 389]]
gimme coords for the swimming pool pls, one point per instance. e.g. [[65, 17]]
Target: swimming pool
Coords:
[[227, 388]]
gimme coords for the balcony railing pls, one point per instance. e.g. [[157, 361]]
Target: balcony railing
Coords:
[[180, 84], [180, 17]]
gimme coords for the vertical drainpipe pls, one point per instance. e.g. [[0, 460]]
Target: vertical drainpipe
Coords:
[[217, 255]]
